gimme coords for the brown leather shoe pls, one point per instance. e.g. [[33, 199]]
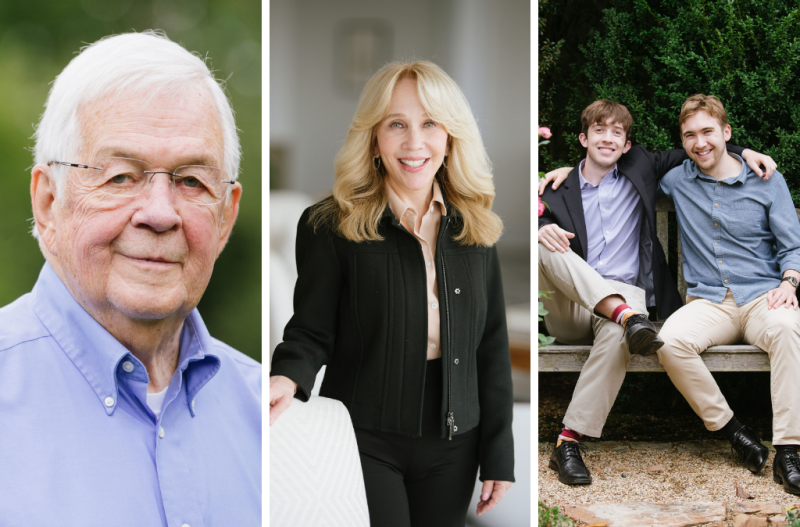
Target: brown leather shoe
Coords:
[[641, 335]]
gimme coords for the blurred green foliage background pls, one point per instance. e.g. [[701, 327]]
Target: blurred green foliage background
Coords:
[[38, 39], [650, 55]]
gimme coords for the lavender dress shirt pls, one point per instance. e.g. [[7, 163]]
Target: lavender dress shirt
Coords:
[[613, 213], [80, 447]]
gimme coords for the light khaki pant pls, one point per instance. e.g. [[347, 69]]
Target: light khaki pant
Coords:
[[702, 323], [576, 290]]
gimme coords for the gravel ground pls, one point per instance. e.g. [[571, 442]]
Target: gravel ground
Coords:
[[691, 472]]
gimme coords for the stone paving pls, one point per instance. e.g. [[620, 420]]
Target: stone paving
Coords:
[[692, 483]]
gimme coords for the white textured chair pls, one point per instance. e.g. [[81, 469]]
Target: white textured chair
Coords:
[[315, 471]]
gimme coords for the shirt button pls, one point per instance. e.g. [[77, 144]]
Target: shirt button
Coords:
[[720, 183], [715, 243], [726, 281], [716, 225], [716, 204], [433, 346], [161, 432], [186, 525], [430, 209], [127, 366], [109, 401], [455, 361], [435, 306], [720, 261], [192, 404], [457, 291], [427, 263]]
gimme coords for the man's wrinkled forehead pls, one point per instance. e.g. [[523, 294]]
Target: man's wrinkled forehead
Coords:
[[152, 126]]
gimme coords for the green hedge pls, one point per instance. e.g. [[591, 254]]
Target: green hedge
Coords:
[[652, 55]]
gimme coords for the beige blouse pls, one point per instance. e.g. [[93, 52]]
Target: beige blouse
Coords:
[[427, 233]]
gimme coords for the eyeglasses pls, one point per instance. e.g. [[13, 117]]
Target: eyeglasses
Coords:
[[122, 178]]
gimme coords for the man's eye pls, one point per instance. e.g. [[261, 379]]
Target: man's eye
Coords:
[[191, 182], [120, 179]]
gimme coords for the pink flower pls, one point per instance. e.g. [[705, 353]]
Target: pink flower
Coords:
[[541, 207], [545, 132]]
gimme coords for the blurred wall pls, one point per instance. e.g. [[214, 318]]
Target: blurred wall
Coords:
[[38, 39], [483, 45]]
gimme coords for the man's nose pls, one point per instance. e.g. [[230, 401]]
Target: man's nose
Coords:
[[157, 205]]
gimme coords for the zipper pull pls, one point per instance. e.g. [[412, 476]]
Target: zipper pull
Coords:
[[451, 424]]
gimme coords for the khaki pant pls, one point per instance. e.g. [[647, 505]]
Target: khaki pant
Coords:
[[576, 290], [702, 323]]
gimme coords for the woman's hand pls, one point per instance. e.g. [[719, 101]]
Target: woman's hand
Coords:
[[491, 494], [281, 393]]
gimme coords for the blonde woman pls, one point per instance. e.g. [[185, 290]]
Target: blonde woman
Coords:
[[399, 293]]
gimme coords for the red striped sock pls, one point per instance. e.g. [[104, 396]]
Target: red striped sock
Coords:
[[572, 434], [620, 309]]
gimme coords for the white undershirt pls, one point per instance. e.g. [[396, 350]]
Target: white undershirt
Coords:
[[156, 400]]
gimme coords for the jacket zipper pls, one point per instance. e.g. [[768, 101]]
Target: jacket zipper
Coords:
[[451, 421]]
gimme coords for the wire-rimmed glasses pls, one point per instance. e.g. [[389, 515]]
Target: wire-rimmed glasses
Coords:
[[123, 178]]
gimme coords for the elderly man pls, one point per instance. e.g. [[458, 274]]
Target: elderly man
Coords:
[[116, 405]]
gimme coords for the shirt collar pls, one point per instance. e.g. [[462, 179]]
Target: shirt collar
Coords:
[[741, 178], [582, 180], [399, 207], [99, 356]]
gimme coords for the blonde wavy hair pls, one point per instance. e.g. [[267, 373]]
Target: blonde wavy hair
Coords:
[[359, 196]]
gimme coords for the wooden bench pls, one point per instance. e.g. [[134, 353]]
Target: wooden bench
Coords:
[[743, 357]]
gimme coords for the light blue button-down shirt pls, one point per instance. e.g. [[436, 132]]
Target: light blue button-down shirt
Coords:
[[80, 447], [613, 214], [740, 234]]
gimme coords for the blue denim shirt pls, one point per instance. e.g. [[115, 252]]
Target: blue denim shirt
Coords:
[[80, 446], [741, 233]]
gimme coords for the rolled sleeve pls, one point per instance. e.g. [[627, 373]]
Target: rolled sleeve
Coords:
[[785, 226]]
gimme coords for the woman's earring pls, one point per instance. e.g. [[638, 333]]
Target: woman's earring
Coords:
[[376, 162]]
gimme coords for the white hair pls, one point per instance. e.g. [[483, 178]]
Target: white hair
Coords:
[[130, 63]]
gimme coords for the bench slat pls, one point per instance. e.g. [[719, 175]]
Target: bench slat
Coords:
[[564, 358]]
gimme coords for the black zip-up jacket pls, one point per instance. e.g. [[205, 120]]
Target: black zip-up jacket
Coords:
[[644, 169], [361, 308]]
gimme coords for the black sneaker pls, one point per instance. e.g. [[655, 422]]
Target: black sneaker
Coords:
[[567, 460], [747, 443], [641, 335], [786, 471]]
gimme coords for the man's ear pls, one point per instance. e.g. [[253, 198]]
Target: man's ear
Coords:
[[583, 140], [44, 202], [626, 147], [726, 133], [229, 214]]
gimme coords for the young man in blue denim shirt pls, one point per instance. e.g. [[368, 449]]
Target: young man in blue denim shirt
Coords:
[[741, 254]]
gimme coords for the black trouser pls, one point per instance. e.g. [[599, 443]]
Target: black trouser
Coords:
[[420, 482]]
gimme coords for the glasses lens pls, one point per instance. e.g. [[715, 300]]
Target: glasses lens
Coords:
[[120, 176], [199, 184]]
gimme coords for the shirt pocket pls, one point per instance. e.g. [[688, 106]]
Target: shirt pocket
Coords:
[[747, 218]]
